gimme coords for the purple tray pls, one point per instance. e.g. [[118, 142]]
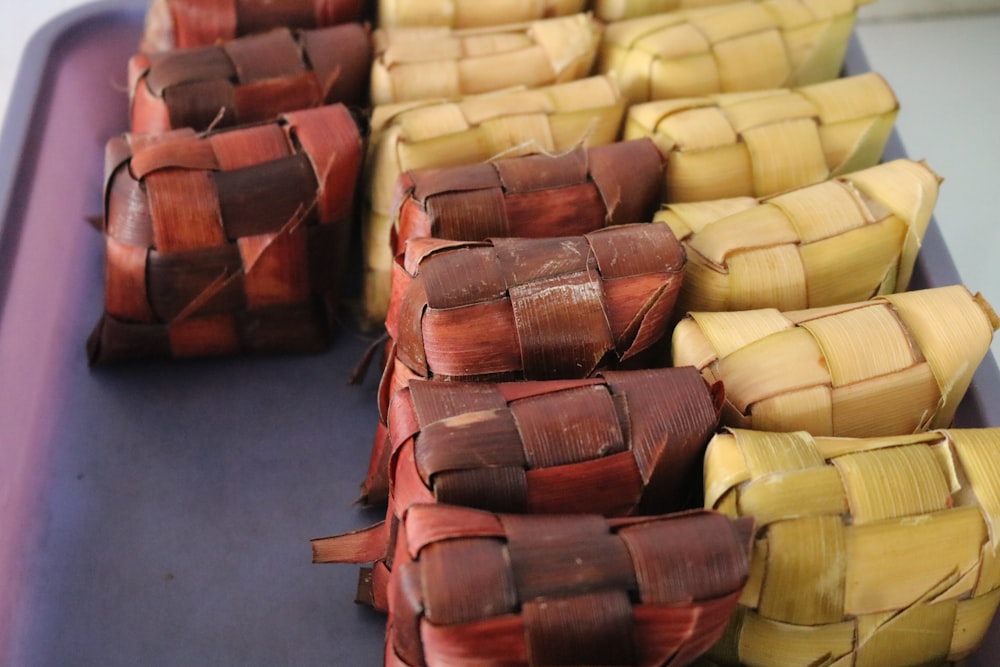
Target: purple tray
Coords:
[[158, 513]]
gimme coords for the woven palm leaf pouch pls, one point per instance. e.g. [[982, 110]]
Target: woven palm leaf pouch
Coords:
[[227, 242], [549, 308], [414, 63], [172, 24], [869, 552], [618, 444], [531, 196], [250, 79], [840, 241], [471, 13], [729, 48], [764, 143], [898, 363], [476, 588]]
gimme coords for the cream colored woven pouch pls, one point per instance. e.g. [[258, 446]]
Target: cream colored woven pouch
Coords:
[[471, 13], [843, 240], [762, 143], [436, 62], [733, 47], [877, 552], [899, 363]]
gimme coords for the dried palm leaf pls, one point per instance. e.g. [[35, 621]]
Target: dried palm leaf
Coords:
[[762, 143], [840, 241], [870, 552], [435, 62], [418, 135], [730, 48], [233, 241], [531, 196], [623, 443], [471, 13], [172, 24], [476, 588], [250, 79], [899, 363]]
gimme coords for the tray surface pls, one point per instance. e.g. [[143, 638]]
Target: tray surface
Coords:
[[163, 511], [160, 513]]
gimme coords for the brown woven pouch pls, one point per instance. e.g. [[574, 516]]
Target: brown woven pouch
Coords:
[[227, 242], [172, 24], [474, 588], [531, 196], [626, 442], [250, 79], [539, 309], [870, 552]]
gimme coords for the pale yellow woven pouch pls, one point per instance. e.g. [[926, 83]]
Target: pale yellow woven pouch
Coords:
[[733, 47], [840, 241], [870, 552], [762, 143], [899, 363]]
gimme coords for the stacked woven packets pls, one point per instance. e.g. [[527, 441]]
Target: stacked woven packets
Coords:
[[229, 205], [654, 389]]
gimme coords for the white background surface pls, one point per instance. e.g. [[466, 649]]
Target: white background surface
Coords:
[[945, 69]]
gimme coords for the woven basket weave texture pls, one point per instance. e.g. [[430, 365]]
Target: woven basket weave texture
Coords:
[[186, 24], [869, 552], [730, 48], [213, 249], [250, 79], [562, 589], [899, 363], [531, 196]]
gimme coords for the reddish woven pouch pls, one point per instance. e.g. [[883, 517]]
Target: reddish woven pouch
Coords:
[[227, 242], [532, 196], [172, 24], [475, 588], [249, 80], [618, 444], [532, 309]]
